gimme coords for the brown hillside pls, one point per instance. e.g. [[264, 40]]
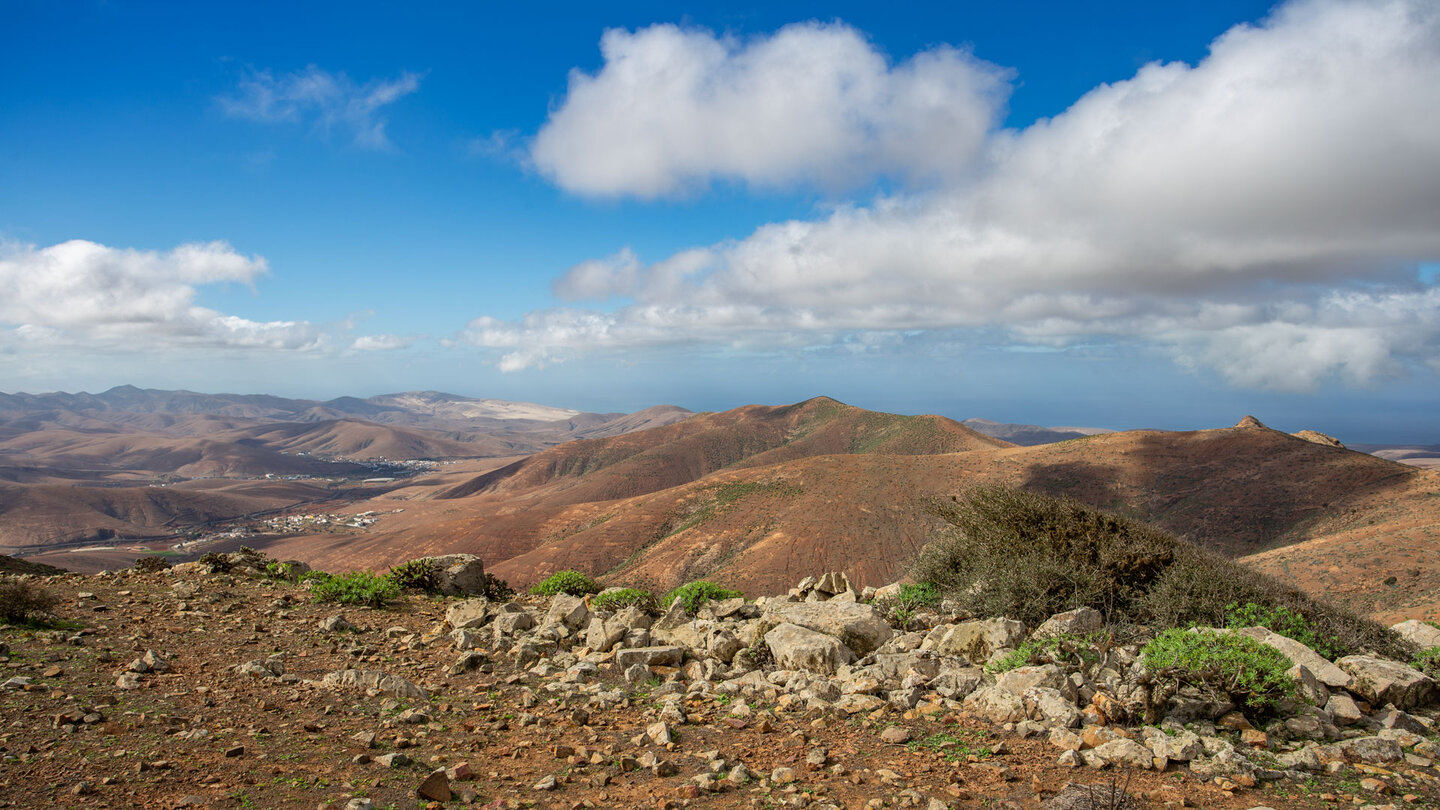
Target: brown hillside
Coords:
[[64, 450], [56, 514], [356, 438], [1236, 490], [755, 435]]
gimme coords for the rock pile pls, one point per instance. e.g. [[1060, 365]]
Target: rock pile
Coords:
[[822, 649]]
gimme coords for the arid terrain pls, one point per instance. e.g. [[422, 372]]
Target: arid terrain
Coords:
[[754, 497], [224, 689]]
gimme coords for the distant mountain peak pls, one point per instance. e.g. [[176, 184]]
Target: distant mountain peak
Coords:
[[1251, 422]]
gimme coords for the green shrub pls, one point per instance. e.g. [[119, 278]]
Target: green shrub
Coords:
[[421, 575], [626, 597], [918, 595], [693, 595], [1282, 620], [1237, 666], [21, 601], [1028, 556], [151, 563], [314, 576], [571, 582], [356, 588]]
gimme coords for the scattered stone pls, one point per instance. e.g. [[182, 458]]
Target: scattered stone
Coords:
[[895, 735], [435, 787]]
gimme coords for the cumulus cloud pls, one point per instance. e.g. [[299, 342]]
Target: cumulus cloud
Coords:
[[324, 100], [1261, 213], [379, 343], [674, 108], [84, 294]]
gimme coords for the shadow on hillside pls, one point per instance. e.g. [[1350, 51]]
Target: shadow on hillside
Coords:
[[1236, 492]]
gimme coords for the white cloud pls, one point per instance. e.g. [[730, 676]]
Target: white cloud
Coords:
[[84, 294], [379, 343], [327, 101], [673, 108], [1261, 213]]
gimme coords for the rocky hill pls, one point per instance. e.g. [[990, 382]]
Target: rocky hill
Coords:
[[727, 497], [211, 685]]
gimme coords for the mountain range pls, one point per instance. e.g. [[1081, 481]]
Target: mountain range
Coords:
[[756, 497]]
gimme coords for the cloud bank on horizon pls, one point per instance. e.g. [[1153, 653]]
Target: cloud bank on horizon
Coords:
[[1264, 213]]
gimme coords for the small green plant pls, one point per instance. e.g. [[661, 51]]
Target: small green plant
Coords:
[[1282, 620], [1428, 661], [1061, 648], [1237, 666], [356, 588], [571, 582], [694, 595], [314, 576], [626, 597], [953, 746], [421, 575], [22, 601], [900, 610], [151, 564], [282, 571]]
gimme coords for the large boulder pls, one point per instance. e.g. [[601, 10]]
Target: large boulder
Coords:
[[1381, 681], [976, 640], [859, 627], [1077, 622], [469, 613], [996, 705], [797, 647], [459, 574], [1424, 634], [567, 610], [1049, 676], [1324, 671]]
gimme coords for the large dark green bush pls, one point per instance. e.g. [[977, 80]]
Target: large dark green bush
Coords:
[[1028, 556], [571, 582], [1236, 666], [693, 595]]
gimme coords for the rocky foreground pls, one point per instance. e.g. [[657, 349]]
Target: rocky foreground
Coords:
[[192, 688]]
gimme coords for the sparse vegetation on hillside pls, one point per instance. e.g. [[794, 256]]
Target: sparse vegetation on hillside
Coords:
[[1029, 556]]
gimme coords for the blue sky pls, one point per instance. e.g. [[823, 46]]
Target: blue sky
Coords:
[[1118, 214]]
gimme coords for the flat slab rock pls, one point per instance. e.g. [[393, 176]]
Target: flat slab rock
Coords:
[[383, 682], [859, 627]]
